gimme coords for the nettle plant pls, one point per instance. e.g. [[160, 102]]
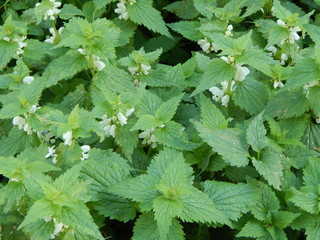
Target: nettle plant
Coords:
[[168, 120]]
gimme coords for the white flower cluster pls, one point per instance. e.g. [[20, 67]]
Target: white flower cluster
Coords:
[[149, 137], [109, 124], [228, 32], [67, 138], [21, 44], [277, 84], [53, 33], [219, 95], [122, 9], [22, 122], [241, 71], [206, 46], [85, 149], [140, 69], [98, 65], [52, 12], [293, 36], [52, 153], [58, 227], [272, 52]]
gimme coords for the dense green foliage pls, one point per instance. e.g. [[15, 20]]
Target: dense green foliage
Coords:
[[160, 120]]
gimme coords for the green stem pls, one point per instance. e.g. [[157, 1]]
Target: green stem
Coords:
[[57, 38], [91, 66]]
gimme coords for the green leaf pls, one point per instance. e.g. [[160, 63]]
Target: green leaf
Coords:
[[146, 228], [270, 167], [288, 104], [256, 133], [68, 11], [173, 135], [205, 7], [183, 9], [164, 211], [233, 200], [11, 194], [127, 139], [227, 142], [145, 122], [306, 198], [64, 67], [7, 51], [216, 72], [253, 229], [250, 95], [312, 136], [311, 174], [280, 11], [198, 207], [188, 29], [282, 219], [167, 109], [211, 116], [143, 13], [305, 71], [276, 35], [313, 232]]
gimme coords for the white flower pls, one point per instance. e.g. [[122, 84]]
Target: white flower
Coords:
[[206, 46], [273, 50], [27, 129], [52, 12], [217, 93], [122, 11], [6, 39], [129, 112], [122, 119], [145, 68], [293, 37], [241, 72], [112, 130], [228, 32], [225, 100], [318, 118], [47, 218], [277, 84], [81, 51], [19, 121], [133, 70], [67, 138], [21, 44], [99, 65], [53, 33], [85, 149], [281, 23], [51, 152], [283, 58], [149, 137], [14, 179], [28, 79], [34, 108]]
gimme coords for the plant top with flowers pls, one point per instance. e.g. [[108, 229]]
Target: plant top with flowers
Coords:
[[160, 120]]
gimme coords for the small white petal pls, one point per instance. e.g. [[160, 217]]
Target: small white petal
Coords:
[[122, 119], [225, 100], [85, 148], [129, 112], [67, 138], [99, 65], [113, 130], [281, 23], [28, 79]]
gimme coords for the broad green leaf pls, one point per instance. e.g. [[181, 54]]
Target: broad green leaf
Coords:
[[11, 194], [188, 29], [143, 13], [256, 133], [145, 122], [64, 67], [227, 143], [7, 51], [146, 228], [280, 11], [250, 95], [282, 219], [173, 135], [198, 207], [216, 72], [270, 167], [312, 136], [276, 34], [183, 9], [211, 116], [288, 104], [253, 229], [205, 7], [233, 200], [69, 10], [167, 109], [306, 198]]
